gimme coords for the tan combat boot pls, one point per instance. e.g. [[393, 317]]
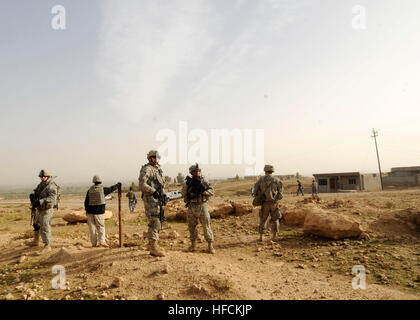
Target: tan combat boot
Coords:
[[103, 245], [211, 248], [155, 250], [193, 247], [274, 236], [46, 249], [35, 242]]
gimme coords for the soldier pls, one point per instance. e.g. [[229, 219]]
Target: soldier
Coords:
[[314, 189], [150, 180], [300, 188], [132, 199], [271, 190], [45, 198], [95, 209], [196, 192]]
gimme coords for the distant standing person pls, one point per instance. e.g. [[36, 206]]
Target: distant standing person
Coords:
[[314, 189], [44, 198], [300, 188], [95, 209], [132, 199]]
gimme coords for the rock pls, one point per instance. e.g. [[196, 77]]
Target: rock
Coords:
[[80, 216], [301, 266], [117, 282], [221, 209], [296, 216], [173, 235], [136, 235], [132, 298], [22, 259], [241, 208], [161, 296], [104, 295], [10, 296], [62, 256], [330, 225]]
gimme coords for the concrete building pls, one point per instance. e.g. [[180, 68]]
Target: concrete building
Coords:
[[409, 176], [347, 181]]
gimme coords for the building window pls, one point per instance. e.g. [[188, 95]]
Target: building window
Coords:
[[352, 181], [322, 182]]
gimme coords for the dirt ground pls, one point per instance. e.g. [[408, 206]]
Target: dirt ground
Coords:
[[296, 266]]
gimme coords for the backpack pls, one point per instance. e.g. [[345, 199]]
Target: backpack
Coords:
[[57, 201]]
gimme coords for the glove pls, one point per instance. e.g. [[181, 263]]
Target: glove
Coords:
[[156, 194]]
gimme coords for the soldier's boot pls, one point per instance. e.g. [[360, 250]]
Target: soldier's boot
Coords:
[[261, 239], [274, 236], [46, 249], [103, 245], [211, 248], [35, 243], [192, 247], [155, 250]]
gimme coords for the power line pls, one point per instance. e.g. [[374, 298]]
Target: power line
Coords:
[[374, 135]]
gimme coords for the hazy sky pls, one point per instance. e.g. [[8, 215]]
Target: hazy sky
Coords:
[[90, 99]]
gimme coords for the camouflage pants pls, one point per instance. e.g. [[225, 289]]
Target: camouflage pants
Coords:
[[43, 219], [152, 214], [269, 209], [96, 224], [199, 213]]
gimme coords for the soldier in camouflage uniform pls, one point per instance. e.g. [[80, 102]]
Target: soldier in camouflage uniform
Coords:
[[151, 177], [95, 210], [272, 188], [196, 192], [46, 195]]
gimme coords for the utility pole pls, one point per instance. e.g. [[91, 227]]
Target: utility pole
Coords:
[[374, 135]]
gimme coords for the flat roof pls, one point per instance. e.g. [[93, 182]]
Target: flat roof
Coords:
[[337, 174], [405, 169]]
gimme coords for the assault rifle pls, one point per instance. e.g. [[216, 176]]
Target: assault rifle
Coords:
[[195, 188], [34, 205], [164, 199]]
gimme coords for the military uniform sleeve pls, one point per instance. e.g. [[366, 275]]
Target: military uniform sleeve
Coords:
[[143, 186], [184, 192], [210, 191], [86, 200], [257, 186], [108, 190], [51, 197]]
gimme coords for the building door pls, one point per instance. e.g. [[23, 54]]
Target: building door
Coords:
[[333, 185]]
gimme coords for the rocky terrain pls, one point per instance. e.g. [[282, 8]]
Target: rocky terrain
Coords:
[[321, 240]]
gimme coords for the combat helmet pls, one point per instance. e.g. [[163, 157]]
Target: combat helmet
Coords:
[[96, 179], [153, 153], [268, 168], [44, 173], [195, 167]]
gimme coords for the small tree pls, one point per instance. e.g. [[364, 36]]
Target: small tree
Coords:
[[237, 177], [298, 176]]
